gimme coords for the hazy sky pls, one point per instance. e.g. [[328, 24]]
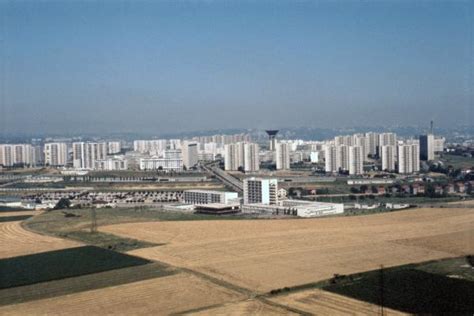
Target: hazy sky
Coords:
[[111, 66]]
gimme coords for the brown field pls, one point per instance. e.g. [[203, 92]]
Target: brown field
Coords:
[[161, 296], [19, 213], [262, 255], [247, 307], [466, 203], [320, 302], [16, 241]]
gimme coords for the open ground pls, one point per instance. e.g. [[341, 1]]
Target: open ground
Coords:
[[263, 255], [209, 267]]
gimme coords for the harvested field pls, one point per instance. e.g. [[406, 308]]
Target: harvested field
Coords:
[[262, 255], [19, 213], [82, 283], [319, 302], [16, 241], [161, 296], [248, 307]]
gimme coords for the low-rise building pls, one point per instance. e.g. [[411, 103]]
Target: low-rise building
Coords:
[[208, 197], [295, 208], [165, 164]]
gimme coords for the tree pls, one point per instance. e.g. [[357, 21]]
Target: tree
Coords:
[[354, 190], [62, 204], [363, 188]]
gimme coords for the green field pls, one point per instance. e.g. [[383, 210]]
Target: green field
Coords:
[[457, 161], [84, 283], [14, 218], [418, 290], [60, 264]]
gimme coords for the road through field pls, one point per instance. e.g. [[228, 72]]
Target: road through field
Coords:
[[262, 255]]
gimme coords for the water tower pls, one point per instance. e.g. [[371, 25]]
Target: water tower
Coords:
[[272, 137]]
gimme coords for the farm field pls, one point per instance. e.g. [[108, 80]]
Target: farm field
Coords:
[[250, 253], [319, 302], [247, 307], [60, 264], [177, 293], [16, 241], [82, 283], [18, 213]]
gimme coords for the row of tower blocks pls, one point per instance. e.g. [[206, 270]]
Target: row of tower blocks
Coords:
[[246, 156], [342, 154], [348, 153]]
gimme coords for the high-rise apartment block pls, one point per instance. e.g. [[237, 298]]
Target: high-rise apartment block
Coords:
[[262, 191], [114, 148], [356, 160], [389, 156], [408, 158], [251, 157], [17, 154], [427, 147], [84, 155], [55, 154], [190, 154], [242, 155], [282, 155]]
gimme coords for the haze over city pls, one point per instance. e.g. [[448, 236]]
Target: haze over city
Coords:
[[253, 157], [72, 66]]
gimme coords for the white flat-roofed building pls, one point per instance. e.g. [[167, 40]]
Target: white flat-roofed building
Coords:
[[55, 154], [251, 157], [356, 160], [314, 156], [114, 148], [154, 146], [190, 154], [427, 147], [282, 154], [234, 156], [296, 208], [408, 158], [259, 190], [114, 163], [439, 144], [387, 139], [165, 164], [209, 197], [330, 158], [372, 143], [85, 154], [173, 154], [16, 154], [389, 154]]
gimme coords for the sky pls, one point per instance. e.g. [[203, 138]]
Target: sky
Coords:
[[171, 66]]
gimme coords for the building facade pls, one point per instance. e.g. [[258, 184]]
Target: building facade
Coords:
[[282, 156], [208, 197], [55, 154], [259, 190]]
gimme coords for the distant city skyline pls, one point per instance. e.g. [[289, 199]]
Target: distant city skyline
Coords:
[[168, 67]]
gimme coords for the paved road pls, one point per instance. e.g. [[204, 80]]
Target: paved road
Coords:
[[224, 177]]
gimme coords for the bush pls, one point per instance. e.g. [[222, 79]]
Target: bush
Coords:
[[62, 204]]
